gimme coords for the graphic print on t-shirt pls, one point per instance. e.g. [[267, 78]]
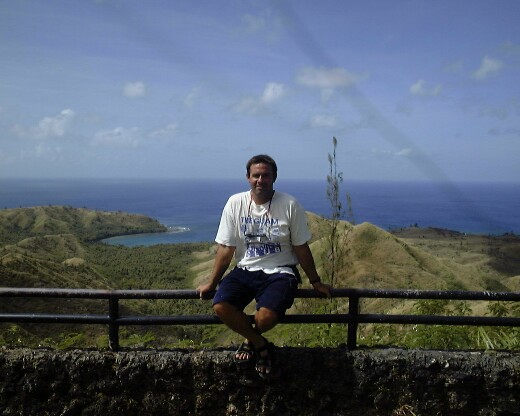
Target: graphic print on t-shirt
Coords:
[[261, 236]]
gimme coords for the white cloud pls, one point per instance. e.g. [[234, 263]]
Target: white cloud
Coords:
[[324, 78], [327, 80], [417, 88], [420, 88], [55, 126], [167, 131], [254, 105], [488, 67], [47, 127], [117, 137], [134, 89], [272, 92], [122, 137], [192, 97], [406, 152]]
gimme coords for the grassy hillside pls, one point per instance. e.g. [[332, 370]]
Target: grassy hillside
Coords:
[[426, 259], [54, 247], [421, 258], [86, 225], [429, 258]]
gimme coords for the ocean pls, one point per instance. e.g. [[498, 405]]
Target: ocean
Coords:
[[191, 208]]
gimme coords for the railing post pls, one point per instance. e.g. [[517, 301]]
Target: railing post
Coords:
[[113, 327], [353, 311]]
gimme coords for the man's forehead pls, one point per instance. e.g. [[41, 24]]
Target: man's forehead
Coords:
[[261, 166]]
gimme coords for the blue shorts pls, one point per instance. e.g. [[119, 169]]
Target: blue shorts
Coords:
[[272, 291]]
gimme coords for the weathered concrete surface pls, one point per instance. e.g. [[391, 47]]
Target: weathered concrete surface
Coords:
[[314, 382]]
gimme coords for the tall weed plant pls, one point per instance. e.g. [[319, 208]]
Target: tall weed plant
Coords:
[[334, 255], [337, 234]]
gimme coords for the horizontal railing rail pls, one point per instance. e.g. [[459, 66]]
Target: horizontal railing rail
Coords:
[[113, 319]]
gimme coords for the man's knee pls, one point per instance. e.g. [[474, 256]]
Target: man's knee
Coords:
[[265, 319], [223, 308], [218, 308]]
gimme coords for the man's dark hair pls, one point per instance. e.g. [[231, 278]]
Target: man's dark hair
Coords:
[[268, 160]]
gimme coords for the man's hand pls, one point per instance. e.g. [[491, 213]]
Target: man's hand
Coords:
[[323, 288], [223, 258], [304, 255], [206, 290]]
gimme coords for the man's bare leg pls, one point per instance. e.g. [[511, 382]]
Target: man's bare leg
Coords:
[[265, 319], [238, 321]]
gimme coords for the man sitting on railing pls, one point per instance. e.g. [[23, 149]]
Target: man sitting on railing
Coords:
[[267, 233]]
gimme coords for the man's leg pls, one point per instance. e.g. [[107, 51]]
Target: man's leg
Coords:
[[272, 303], [236, 320], [265, 319], [276, 296]]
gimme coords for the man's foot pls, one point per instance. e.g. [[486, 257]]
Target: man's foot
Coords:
[[265, 361], [245, 354]]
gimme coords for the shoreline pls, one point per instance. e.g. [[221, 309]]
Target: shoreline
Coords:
[[416, 232], [439, 232]]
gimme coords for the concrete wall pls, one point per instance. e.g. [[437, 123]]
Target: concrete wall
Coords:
[[314, 382]]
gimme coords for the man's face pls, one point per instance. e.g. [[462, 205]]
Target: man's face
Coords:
[[261, 180]]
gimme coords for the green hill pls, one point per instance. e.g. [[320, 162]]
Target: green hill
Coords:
[[424, 259], [56, 247], [86, 225], [421, 258]]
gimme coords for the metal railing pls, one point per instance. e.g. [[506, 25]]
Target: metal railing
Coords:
[[353, 318]]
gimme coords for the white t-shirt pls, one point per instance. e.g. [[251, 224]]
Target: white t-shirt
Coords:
[[263, 234]]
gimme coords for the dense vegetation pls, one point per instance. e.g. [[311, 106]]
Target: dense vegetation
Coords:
[[56, 247], [86, 225]]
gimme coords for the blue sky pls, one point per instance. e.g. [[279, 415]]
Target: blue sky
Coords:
[[412, 90]]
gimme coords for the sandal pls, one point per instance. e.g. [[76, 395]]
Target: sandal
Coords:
[[265, 363], [245, 354]]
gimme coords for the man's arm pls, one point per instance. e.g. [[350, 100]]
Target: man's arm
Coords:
[[223, 259], [306, 260]]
